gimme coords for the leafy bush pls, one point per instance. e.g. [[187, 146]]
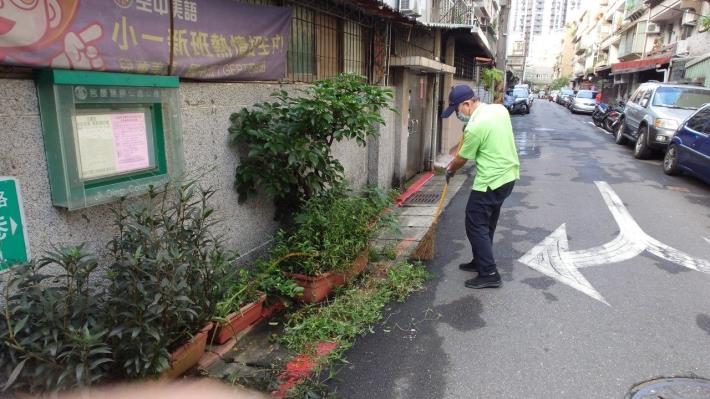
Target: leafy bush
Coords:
[[270, 279], [242, 290], [330, 232], [52, 337], [166, 277], [286, 144]]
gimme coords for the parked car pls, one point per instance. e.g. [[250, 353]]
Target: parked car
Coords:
[[654, 112], [689, 150], [583, 101], [565, 96], [553, 95]]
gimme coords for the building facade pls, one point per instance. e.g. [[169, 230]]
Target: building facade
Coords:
[[419, 49]]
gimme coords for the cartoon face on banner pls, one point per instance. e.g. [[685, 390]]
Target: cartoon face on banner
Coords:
[[209, 40], [31, 26]]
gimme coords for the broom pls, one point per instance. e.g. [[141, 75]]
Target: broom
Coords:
[[425, 250]]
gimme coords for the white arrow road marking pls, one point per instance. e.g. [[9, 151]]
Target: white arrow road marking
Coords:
[[553, 258], [707, 239], [13, 226], [550, 258]]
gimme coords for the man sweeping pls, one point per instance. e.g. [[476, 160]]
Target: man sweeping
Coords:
[[488, 139]]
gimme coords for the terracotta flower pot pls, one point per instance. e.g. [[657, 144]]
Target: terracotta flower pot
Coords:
[[273, 308], [317, 288], [239, 321], [186, 356], [358, 265]]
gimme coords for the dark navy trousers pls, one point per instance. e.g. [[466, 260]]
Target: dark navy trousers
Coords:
[[482, 212]]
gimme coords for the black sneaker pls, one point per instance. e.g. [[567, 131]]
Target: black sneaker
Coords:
[[481, 281], [468, 267]]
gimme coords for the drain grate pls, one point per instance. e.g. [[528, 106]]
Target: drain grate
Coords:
[[672, 388], [424, 198]]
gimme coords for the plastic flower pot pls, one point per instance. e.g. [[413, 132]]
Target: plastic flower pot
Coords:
[[275, 307], [239, 321], [358, 265], [186, 356], [317, 288]]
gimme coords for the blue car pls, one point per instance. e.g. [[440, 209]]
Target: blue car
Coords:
[[689, 150]]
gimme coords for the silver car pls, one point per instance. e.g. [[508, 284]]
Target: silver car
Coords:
[[583, 102], [654, 112]]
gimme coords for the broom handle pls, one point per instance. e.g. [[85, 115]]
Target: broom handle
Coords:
[[440, 204]]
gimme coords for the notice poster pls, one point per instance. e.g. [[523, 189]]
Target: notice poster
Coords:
[[97, 154], [111, 144], [131, 141]]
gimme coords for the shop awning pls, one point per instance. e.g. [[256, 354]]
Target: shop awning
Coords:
[[638, 65]]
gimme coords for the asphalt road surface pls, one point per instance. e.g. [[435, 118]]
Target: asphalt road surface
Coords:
[[540, 336]]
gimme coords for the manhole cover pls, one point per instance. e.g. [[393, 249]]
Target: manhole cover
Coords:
[[672, 388], [423, 197]]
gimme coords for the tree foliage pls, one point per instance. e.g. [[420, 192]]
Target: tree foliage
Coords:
[[285, 145]]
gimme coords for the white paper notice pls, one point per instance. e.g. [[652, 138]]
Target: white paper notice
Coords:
[[110, 144], [97, 152], [131, 141]]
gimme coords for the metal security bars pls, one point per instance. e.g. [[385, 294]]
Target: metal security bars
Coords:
[[325, 43], [455, 12], [410, 41]]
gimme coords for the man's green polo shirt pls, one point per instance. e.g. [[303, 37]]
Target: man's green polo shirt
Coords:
[[488, 139]]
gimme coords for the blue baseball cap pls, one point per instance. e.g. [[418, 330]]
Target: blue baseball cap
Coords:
[[458, 95]]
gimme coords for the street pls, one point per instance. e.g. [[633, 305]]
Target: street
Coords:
[[558, 328]]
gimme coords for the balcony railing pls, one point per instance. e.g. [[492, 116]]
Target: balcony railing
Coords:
[[633, 8], [455, 12]]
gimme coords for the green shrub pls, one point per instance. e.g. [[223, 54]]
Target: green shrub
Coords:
[[285, 145], [52, 337], [166, 277], [330, 232]]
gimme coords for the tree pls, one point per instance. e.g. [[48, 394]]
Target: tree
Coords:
[[559, 83]]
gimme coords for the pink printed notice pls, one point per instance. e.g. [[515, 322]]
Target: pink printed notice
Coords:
[[131, 141]]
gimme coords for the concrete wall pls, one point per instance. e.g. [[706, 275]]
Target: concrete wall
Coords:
[[205, 109]]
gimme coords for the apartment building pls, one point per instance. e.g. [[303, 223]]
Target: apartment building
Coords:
[[534, 24], [650, 40]]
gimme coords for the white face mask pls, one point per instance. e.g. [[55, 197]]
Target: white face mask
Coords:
[[463, 118]]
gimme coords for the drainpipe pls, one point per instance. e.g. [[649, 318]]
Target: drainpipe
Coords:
[[434, 123]]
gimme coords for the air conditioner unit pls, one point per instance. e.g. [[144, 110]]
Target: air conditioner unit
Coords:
[[653, 28], [681, 47], [689, 18], [619, 79], [409, 8]]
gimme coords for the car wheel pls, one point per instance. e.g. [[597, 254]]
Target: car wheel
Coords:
[[641, 150], [526, 110], [670, 161], [619, 137]]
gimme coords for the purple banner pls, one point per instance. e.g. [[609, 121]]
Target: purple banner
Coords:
[[211, 39]]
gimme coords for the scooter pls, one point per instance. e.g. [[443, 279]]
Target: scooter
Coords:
[[600, 113], [517, 105], [613, 117]]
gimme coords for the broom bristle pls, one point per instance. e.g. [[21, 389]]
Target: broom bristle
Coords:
[[425, 250]]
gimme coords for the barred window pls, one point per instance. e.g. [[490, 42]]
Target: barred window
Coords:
[[323, 45]]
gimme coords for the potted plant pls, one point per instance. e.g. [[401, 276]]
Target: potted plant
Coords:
[[328, 245], [240, 308], [52, 337], [166, 278]]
